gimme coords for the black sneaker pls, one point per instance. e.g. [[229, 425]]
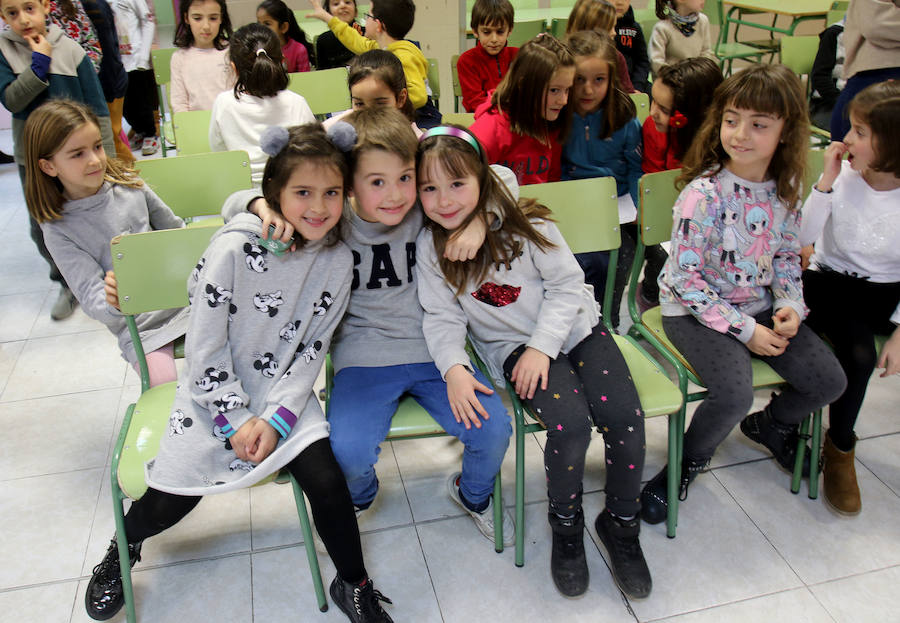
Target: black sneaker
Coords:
[[654, 495], [104, 597], [780, 439], [623, 549], [359, 601], [568, 564]]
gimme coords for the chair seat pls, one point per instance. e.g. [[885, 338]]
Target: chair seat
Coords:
[[149, 419], [736, 50], [659, 396], [763, 374], [411, 420]]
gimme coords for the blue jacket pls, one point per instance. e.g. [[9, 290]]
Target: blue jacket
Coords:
[[585, 154]]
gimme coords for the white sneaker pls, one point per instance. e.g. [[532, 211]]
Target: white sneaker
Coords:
[[150, 146], [485, 519]]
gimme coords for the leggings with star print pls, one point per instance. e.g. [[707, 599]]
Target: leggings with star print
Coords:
[[590, 386]]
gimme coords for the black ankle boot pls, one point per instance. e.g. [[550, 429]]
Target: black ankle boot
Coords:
[[626, 559], [568, 564], [779, 438], [359, 601], [104, 596], [654, 495]]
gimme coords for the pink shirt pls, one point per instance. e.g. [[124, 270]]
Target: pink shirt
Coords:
[[296, 58], [198, 76]]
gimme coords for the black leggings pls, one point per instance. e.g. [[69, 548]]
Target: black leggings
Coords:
[[591, 385], [813, 375], [141, 101], [849, 312], [321, 479]]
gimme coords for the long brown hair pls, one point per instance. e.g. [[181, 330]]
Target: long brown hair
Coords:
[[878, 106], [771, 89], [46, 131], [692, 82], [596, 15], [459, 158]]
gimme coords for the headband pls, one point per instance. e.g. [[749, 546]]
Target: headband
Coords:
[[445, 130]]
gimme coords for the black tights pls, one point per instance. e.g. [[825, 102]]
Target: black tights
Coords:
[[321, 479]]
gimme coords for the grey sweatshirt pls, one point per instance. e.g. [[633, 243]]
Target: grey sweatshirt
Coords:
[[79, 244], [260, 327], [541, 301]]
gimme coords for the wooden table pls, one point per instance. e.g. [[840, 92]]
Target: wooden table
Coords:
[[798, 10]]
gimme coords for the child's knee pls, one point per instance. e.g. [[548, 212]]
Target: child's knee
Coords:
[[355, 456]]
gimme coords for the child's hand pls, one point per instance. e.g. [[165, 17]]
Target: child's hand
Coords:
[[39, 43], [833, 155], [463, 244], [243, 441], [532, 366], [318, 11], [265, 439], [766, 342], [461, 388], [787, 322], [806, 254], [890, 355], [283, 229], [111, 289]]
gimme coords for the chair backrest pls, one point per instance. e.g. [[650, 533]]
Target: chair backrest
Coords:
[[799, 52], [833, 17], [558, 27], [657, 197], [162, 60], [457, 90], [197, 185], [525, 31], [464, 119], [712, 10], [434, 78], [192, 131], [815, 164], [325, 91], [641, 105], [152, 268]]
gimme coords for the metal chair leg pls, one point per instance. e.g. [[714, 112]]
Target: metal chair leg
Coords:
[[310, 546]]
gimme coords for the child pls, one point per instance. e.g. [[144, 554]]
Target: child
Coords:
[[71, 17], [731, 286], [826, 77], [260, 98], [277, 17], [631, 44], [247, 408], [379, 352], [599, 16], [481, 68], [376, 80], [38, 62], [605, 140], [525, 122], [330, 52], [540, 331], [200, 67], [681, 32], [136, 26], [852, 212], [82, 201]]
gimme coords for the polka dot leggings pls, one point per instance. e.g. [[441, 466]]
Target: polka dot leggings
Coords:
[[590, 386]]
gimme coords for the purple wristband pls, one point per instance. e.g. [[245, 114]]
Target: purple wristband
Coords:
[[283, 421]]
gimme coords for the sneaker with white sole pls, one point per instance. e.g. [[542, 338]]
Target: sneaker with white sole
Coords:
[[135, 141], [64, 306], [150, 146], [485, 519]]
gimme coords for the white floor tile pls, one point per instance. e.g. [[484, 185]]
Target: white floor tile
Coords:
[[866, 598], [878, 414], [9, 353], [796, 606], [19, 312], [78, 322], [39, 604], [879, 455]]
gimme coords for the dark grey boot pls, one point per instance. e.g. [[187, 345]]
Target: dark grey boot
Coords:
[[654, 495], [568, 564]]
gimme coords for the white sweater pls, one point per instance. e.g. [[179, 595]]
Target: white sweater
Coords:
[[136, 27]]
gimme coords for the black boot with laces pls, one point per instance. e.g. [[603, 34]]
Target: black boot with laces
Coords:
[[654, 495], [779, 438], [359, 601], [568, 564], [626, 558], [104, 597]]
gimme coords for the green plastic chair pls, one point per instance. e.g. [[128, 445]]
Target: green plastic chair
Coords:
[[657, 197], [458, 118], [457, 90], [162, 72], [798, 53], [587, 215], [151, 270], [325, 91], [526, 31], [815, 164], [195, 186], [434, 81], [641, 105], [192, 129], [558, 27], [727, 51], [834, 16]]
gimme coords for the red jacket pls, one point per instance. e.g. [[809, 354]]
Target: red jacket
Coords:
[[533, 162], [659, 149], [479, 72]]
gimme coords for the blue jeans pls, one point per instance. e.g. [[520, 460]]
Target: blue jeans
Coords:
[[363, 402]]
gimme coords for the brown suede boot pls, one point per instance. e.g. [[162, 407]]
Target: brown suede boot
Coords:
[[841, 490]]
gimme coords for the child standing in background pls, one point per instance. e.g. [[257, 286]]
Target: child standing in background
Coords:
[[631, 44], [826, 78], [137, 27], [681, 32], [853, 286], [732, 286], [200, 67], [277, 17], [330, 52], [525, 122], [259, 99], [599, 16], [481, 68], [71, 17], [605, 140]]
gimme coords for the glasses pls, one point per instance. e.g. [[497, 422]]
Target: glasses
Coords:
[[372, 16]]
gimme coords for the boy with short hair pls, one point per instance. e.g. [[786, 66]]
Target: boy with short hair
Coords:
[[37, 63], [481, 68], [630, 42]]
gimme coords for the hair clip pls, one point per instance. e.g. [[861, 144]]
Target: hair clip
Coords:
[[263, 51], [446, 130], [678, 120], [274, 139], [343, 135]]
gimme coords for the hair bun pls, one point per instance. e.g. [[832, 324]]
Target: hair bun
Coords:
[[343, 135], [273, 140]]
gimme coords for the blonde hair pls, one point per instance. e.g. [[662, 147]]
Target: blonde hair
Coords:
[[596, 15], [384, 129], [46, 131], [771, 89]]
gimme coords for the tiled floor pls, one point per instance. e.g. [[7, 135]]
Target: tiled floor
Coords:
[[747, 550]]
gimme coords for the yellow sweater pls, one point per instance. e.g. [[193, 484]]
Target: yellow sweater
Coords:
[[414, 64]]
